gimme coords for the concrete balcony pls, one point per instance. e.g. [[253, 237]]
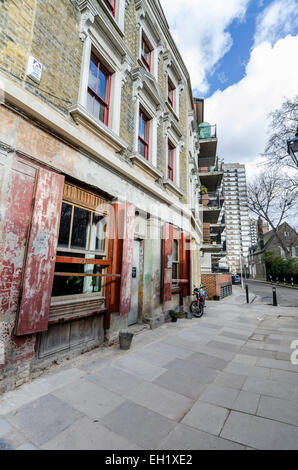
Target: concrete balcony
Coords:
[[208, 139], [211, 177]]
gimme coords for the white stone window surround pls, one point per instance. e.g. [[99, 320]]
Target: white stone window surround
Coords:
[[100, 7], [173, 135], [148, 29], [146, 95], [111, 51], [142, 103], [173, 74]]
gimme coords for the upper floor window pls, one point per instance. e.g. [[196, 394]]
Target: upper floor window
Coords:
[[176, 261], [146, 53], [144, 131], [99, 85], [171, 151], [171, 89], [111, 5]]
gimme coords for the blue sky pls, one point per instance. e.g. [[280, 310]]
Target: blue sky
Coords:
[[231, 68], [242, 58]]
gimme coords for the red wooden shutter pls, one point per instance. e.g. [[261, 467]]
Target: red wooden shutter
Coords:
[[186, 263], [167, 251], [40, 262], [128, 213]]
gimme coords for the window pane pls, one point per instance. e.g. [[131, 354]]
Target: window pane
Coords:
[[102, 85], [175, 250], [142, 149], [73, 285], [98, 229], [93, 71], [99, 110], [64, 225], [80, 229], [90, 100]]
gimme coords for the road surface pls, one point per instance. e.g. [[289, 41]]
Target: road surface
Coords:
[[286, 297]]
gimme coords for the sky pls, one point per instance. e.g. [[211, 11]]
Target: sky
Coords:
[[242, 56]]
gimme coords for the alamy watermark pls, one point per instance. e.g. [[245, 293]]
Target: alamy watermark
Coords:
[[294, 355]]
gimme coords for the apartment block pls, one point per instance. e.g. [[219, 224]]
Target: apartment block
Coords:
[[238, 237]]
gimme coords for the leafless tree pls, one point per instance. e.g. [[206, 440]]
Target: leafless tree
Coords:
[[273, 201], [284, 122]]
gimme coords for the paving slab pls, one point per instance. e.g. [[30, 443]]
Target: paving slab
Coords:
[[252, 371], [139, 368], [284, 376], [27, 446], [189, 386], [277, 364], [187, 438], [271, 388], [219, 395], [43, 418], [278, 409], [85, 434], [166, 402], [247, 402], [168, 349], [37, 388], [91, 399], [245, 359], [115, 380], [5, 427], [205, 360], [138, 424], [227, 379], [206, 417], [260, 433], [223, 345]]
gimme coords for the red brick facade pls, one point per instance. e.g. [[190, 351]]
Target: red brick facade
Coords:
[[214, 282]]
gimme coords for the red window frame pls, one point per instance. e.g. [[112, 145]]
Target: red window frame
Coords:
[[171, 150], [111, 4], [144, 118], [95, 96], [171, 89], [145, 44]]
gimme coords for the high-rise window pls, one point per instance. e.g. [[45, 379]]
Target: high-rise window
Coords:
[[111, 4]]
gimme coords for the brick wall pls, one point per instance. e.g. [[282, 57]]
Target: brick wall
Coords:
[[213, 283]]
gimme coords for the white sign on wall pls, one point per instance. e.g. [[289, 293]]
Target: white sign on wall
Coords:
[[34, 69]]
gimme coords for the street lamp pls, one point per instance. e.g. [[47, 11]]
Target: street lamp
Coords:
[[293, 148]]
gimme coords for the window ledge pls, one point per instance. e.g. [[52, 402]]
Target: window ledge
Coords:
[[169, 184], [86, 119], [172, 111], [142, 163]]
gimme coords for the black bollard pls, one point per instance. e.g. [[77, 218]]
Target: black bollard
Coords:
[[247, 294], [274, 297]]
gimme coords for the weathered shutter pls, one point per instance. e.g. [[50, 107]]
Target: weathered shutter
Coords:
[[186, 263], [41, 254], [127, 217], [167, 251]]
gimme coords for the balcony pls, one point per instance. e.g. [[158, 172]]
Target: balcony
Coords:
[[211, 177], [207, 134], [207, 131]]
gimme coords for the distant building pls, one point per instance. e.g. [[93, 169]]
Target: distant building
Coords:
[[270, 243], [237, 229], [253, 230]]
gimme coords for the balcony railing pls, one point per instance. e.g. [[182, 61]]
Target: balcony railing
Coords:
[[210, 169], [207, 131]]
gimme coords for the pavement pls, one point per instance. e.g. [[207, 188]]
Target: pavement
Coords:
[[224, 381]]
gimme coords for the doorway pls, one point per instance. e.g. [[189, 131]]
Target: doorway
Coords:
[[137, 273]]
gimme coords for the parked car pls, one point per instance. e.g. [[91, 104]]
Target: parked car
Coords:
[[236, 279]]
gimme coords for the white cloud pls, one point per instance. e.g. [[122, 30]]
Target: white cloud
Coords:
[[241, 110], [199, 30], [276, 21]]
